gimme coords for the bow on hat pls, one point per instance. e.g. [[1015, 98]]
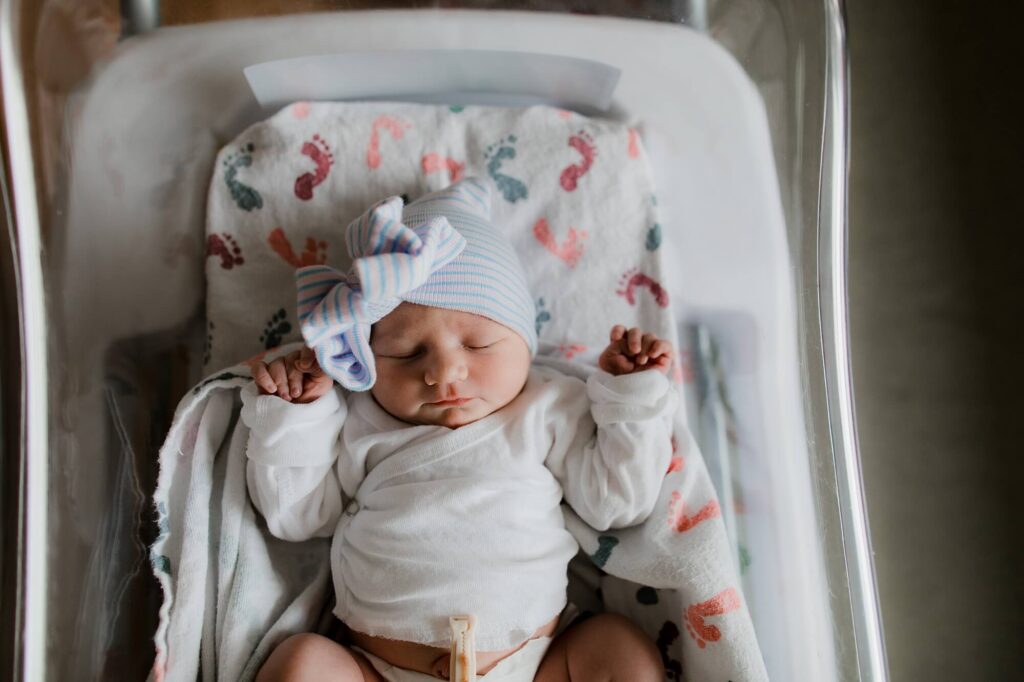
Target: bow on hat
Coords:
[[337, 310]]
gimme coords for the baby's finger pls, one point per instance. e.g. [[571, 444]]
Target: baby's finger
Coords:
[[646, 343], [622, 364], [661, 348], [634, 335], [262, 378], [295, 376], [280, 377], [315, 387], [315, 370], [307, 358], [617, 332]]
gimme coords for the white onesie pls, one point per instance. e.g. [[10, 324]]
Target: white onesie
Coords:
[[430, 522]]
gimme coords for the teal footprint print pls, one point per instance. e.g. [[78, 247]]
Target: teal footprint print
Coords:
[[647, 596], [245, 197], [208, 348], [512, 189], [653, 238], [161, 522], [277, 328], [744, 559], [223, 376], [542, 315], [605, 545], [162, 564]]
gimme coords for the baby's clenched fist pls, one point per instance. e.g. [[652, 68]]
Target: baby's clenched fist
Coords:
[[296, 377], [632, 351]]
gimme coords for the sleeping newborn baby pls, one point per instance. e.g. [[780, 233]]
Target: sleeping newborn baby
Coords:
[[441, 470]]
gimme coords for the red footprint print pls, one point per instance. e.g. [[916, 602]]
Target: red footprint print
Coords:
[[632, 279], [435, 163], [568, 251], [225, 247], [724, 602], [570, 350], [584, 144], [676, 463], [394, 126], [680, 522], [634, 144], [317, 150], [315, 252], [683, 371], [159, 670]]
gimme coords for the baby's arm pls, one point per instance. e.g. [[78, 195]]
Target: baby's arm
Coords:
[[292, 449], [611, 460]]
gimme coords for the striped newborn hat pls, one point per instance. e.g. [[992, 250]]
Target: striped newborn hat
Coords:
[[441, 250]]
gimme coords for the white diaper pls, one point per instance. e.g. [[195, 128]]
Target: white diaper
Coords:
[[520, 666]]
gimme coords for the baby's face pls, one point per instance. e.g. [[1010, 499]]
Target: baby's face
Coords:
[[445, 367]]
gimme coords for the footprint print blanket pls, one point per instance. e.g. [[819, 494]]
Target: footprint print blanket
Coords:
[[576, 197]]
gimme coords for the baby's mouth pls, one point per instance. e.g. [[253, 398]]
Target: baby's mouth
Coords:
[[451, 402]]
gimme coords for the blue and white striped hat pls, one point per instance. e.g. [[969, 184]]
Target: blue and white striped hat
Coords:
[[452, 257]]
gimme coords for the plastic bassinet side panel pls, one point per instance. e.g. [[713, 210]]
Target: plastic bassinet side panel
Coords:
[[783, 45], [25, 410]]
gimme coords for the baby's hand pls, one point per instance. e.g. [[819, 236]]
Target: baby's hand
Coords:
[[295, 377], [633, 351]]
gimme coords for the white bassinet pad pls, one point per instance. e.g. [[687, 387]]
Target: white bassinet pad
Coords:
[[575, 196]]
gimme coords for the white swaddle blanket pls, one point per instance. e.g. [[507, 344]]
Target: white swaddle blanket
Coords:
[[577, 199]]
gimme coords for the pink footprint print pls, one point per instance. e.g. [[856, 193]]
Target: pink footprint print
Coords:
[[317, 150], [677, 462], [300, 109], [568, 251], [570, 350], [226, 248], [633, 150], [683, 371], [632, 279], [680, 522], [394, 126], [724, 602], [584, 144], [315, 252], [159, 670], [435, 163]]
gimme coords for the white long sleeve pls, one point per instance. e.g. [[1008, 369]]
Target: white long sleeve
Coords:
[[612, 457], [290, 473], [430, 521]]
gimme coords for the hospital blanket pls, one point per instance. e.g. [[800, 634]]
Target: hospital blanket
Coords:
[[576, 198], [232, 591], [574, 195]]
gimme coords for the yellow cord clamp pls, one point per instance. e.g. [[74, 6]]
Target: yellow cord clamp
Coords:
[[463, 660]]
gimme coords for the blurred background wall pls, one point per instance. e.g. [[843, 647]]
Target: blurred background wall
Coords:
[[937, 313]]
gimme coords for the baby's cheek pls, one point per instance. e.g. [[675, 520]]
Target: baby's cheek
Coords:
[[508, 376]]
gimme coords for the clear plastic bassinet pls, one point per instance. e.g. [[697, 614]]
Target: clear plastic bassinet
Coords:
[[97, 350]]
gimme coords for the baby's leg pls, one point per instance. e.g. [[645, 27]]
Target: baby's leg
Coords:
[[318, 659], [605, 648]]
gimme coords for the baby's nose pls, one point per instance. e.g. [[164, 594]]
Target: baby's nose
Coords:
[[447, 369]]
